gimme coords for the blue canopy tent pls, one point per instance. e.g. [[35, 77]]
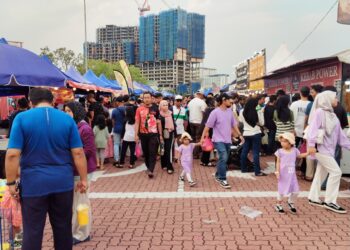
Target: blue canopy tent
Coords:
[[167, 94], [3, 41], [207, 91], [91, 77], [225, 88], [20, 67], [112, 83], [76, 76]]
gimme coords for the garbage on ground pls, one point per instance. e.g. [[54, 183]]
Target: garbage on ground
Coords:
[[209, 221], [249, 212]]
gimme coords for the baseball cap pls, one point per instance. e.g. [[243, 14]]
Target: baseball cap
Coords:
[[178, 97]]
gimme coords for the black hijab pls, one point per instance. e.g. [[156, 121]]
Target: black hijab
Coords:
[[283, 111], [78, 110], [249, 112]]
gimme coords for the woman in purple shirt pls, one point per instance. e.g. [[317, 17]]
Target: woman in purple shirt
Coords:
[[322, 117], [77, 111]]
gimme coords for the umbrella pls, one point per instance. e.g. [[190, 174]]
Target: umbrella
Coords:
[[21, 67]]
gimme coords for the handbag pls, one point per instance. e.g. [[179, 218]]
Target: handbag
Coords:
[[166, 134], [320, 135], [207, 145]]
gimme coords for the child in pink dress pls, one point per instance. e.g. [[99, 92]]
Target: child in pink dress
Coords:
[[285, 171], [186, 157]]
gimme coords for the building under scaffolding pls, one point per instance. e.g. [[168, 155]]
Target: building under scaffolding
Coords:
[[114, 43], [171, 47]]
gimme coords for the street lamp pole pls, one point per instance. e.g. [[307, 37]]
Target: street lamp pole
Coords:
[[85, 44]]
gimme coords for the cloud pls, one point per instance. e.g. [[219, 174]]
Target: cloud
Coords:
[[234, 28]]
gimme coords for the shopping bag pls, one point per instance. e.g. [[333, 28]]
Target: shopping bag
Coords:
[[207, 145], [11, 209], [83, 209], [138, 150]]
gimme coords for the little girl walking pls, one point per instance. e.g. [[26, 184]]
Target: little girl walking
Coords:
[[129, 137], [101, 139], [285, 171], [186, 157]]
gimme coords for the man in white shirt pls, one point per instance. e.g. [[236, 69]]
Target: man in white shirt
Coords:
[[196, 108], [180, 116], [299, 108]]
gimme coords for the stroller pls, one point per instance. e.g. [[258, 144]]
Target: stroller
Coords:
[[234, 159]]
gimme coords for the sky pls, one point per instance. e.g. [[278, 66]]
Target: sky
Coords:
[[235, 29]]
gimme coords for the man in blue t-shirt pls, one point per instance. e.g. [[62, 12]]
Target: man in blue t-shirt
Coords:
[[45, 142], [118, 116]]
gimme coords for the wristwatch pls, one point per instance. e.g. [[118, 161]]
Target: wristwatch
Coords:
[[12, 183]]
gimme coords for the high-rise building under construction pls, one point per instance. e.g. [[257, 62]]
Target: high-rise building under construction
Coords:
[[171, 47], [114, 43]]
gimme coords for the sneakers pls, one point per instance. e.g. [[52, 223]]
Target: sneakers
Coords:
[[335, 208], [279, 209], [181, 178], [316, 203], [223, 183], [292, 208]]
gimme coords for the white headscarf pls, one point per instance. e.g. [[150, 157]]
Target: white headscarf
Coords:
[[324, 101]]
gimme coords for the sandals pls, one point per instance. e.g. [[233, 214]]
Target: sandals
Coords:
[[170, 171]]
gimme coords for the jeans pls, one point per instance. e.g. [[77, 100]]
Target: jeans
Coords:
[[337, 157], [116, 142], [34, 212], [253, 142], [223, 152], [271, 148], [150, 144]]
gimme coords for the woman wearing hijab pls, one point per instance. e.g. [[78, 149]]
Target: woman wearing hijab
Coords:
[[168, 126], [323, 123], [205, 158], [78, 113], [283, 118], [252, 120]]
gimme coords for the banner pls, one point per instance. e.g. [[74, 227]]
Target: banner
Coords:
[[242, 76], [62, 95], [344, 12], [257, 69], [121, 79], [126, 73]]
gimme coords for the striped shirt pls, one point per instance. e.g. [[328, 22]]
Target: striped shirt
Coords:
[[283, 127]]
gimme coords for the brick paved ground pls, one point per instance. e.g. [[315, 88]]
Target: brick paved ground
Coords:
[[206, 223]]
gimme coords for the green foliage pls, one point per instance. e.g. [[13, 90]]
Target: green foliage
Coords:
[[62, 57]]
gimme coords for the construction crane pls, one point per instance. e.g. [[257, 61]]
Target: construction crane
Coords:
[[144, 8]]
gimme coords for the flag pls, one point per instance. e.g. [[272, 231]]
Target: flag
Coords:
[[121, 79], [344, 12], [126, 73]]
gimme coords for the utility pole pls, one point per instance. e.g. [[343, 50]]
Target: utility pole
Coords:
[[85, 44]]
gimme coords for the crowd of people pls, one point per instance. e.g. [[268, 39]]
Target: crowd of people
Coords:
[[58, 152]]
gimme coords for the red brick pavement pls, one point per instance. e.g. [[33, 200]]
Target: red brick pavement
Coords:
[[206, 223]]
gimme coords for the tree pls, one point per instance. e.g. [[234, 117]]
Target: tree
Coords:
[[107, 68], [62, 57]]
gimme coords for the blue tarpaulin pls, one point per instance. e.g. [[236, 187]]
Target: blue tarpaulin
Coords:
[[91, 77], [75, 75], [112, 83], [22, 67], [3, 41]]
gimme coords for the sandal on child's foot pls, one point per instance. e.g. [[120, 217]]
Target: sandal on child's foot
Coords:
[[279, 209], [292, 208], [131, 166], [181, 178], [192, 183]]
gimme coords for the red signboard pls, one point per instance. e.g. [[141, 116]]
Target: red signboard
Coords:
[[324, 74]]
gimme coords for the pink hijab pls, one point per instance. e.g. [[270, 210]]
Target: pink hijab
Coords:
[[169, 124]]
